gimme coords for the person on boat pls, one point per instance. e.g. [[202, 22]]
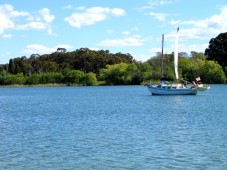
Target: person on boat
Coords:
[[194, 84]]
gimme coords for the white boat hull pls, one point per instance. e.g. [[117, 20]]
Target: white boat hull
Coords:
[[203, 87], [168, 90]]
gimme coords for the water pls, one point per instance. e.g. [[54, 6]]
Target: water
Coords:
[[113, 127]]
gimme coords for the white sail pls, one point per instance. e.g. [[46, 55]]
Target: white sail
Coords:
[[176, 55]]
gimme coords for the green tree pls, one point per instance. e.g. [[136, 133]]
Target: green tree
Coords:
[[90, 79], [131, 76], [196, 55], [11, 79], [11, 66], [114, 74], [73, 77], [33, 79], [217, 49], [212, 73]]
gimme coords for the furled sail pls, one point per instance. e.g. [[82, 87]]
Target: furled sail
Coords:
[[176, 55]]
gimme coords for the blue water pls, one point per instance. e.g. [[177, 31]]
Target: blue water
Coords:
[[112, 127]]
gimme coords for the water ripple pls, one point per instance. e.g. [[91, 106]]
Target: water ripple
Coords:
[[119, 127]]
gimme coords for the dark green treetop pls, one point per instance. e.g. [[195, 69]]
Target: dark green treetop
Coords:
[[217, 49]]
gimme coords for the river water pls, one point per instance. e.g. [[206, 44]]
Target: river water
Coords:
[[112, 127]]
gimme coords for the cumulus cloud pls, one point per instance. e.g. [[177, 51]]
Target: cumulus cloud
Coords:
[[46, 15], [5, 23], [7, 13], [130, 41], [93, 15], [40, 20], [32, 25], [205, 28]]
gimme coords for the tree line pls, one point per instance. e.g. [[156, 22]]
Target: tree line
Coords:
[[89, 67], [83, 59]]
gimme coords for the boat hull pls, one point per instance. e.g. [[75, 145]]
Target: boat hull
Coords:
[[203, 87], [180, 91]]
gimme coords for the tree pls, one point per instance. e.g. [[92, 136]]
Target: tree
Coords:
[[73, 76], [145, 70], [61, 50], [212, 73], [33, 79], [132, 75], [114, 74], [217, 49], [11, 66], [196, 55], [90, 79]]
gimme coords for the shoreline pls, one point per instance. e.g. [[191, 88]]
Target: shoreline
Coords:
[[37, 85]]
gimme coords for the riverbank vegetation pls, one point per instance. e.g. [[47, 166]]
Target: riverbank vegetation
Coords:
[[89, 67]]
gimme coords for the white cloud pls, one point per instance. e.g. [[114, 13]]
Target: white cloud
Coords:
[[7, 36], [32, 26], [38, 49], [204, 28], [5, 23], [154, 3], [7, 13], [67, 7], [159, 16], [45, 13], [41, 49], [130, 41], [40, 20], [117, 12], [92, 15]]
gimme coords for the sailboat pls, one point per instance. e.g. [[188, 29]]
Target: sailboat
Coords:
[[175, 88]]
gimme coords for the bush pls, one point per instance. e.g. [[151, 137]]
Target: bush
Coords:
[[90, 79]]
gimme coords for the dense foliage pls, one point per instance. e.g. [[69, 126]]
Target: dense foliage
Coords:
[[83, 59], [217, 49], [88, 67], [68, 77]]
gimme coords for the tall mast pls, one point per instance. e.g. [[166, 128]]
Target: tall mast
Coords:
[[162, 53], [176, 56]]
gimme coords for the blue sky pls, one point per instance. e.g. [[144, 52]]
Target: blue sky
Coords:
[[127, 26]]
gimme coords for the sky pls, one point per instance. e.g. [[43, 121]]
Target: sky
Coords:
[[126, 26]]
